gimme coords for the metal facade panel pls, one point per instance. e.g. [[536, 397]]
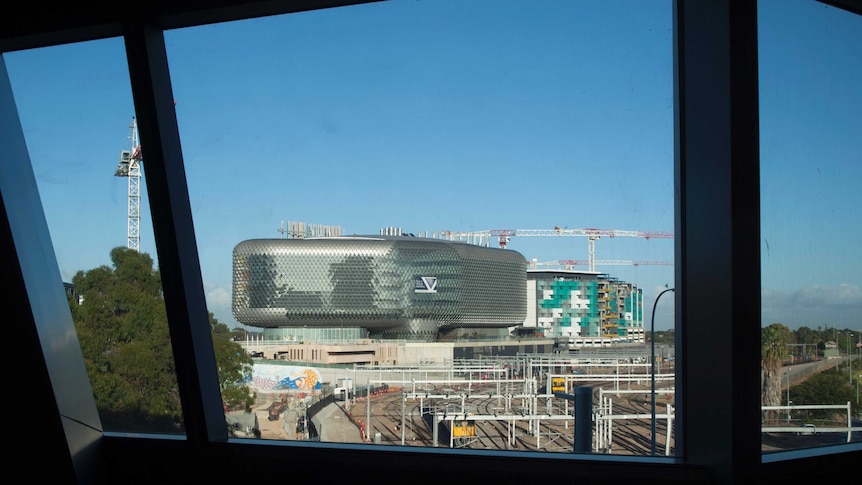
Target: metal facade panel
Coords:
[[382, 283], [42, 338]]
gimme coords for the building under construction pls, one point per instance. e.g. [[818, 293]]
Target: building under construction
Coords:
[[584, 308]]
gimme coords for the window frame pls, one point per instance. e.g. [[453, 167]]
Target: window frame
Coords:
[[717, 252]]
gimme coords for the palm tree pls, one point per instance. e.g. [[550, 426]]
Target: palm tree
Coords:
[[773, 350]]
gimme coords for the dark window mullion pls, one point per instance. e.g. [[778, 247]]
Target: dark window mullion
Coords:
[[718, 244], [176, 247], [37, 321]]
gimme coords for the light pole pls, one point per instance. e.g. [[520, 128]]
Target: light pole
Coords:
[[652, 366], [849, 360], [788, 393]]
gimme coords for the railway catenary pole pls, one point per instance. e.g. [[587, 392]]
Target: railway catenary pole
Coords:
[[669, 413], [583, 398], [403, 412], [436, 429]]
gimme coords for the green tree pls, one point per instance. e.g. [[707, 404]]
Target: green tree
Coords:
[[234, 367], [810, 339], [773, 351], [663, 337], [122, 328], [828, 387], [238, 333], [805, 335]]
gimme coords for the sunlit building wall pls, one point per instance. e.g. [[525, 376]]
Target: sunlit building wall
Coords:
[[392, 286], [584, 308]]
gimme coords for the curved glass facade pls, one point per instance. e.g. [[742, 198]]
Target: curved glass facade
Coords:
[[382, 283]]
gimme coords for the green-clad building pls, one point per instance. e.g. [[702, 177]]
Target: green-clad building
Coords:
[[583, 308]]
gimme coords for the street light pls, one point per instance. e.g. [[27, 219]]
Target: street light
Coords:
[[652, 365]]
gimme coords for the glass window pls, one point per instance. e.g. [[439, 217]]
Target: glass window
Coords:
[[77, 115], [715, 444], [810, 167], [425, 123]]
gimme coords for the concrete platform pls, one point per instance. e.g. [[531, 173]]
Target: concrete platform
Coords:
[[334, 426]]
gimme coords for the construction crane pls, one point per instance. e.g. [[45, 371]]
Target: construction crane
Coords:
[[569, 263], [130, 167], [504, 235]]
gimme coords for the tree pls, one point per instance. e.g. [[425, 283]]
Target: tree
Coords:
[[805, 335], [122, 327], [663, 337], [810, 339], [238, 333], [773, 351], [123, 331], [234, 367], [828, 387]]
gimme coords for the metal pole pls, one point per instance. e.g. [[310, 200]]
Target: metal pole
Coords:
[[583, 418], [669, 429], [661, 358], [652, 371], [849, 360], [788, 394]]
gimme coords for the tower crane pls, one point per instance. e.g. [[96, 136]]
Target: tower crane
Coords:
[[568, 263], [504, 235], [130, 167]]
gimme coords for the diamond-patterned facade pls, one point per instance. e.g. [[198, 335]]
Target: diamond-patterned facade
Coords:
[[382, 283]]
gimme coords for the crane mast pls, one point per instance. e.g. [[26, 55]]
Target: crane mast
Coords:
[[130, 167]]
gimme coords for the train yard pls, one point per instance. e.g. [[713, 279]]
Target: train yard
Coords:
[[510, 405], [504, 407]]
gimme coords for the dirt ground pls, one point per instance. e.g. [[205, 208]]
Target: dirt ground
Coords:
[[275, 430]]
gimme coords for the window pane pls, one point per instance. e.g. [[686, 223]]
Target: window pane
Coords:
[[76, 110], [810, 219], [434, 134]]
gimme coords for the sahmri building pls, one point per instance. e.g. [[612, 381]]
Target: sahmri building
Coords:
[[380, 286]]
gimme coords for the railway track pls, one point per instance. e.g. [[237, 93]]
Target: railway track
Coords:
[[630, 436]]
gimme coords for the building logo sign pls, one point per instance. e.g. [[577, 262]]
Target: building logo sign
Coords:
[[425, 284]]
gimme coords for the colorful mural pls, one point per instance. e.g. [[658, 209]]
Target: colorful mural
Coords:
[[273, 377]]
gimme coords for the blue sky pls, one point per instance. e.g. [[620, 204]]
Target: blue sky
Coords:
[[464, 116], [811, 159]]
